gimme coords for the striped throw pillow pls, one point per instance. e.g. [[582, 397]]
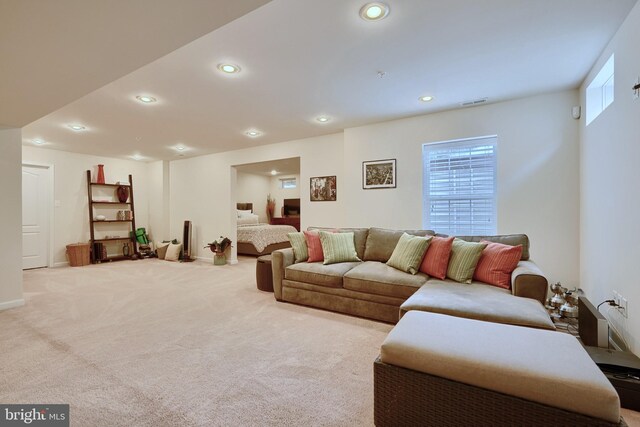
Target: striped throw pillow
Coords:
[[463, 261], [314, 247], [436, 259], [408, 253], [338, 247], [299, 245], [496, 264]]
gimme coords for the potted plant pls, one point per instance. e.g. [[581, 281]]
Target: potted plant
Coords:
[[271, 206], [218, 247]]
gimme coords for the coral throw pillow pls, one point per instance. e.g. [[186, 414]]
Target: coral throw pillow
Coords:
[[436, 260], [314, 246], [496, 264]]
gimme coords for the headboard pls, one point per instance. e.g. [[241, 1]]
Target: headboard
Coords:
[[244, 206]]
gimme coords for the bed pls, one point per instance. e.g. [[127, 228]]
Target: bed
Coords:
[[258, 239]]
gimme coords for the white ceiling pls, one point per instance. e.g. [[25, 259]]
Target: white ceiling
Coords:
[[53, 52], [302, 58]]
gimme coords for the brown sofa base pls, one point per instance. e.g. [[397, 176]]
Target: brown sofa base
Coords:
[[406, 397], [368, 309]]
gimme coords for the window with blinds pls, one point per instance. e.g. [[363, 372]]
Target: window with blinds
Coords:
[[460, 186]]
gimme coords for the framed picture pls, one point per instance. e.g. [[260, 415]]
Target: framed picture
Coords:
[[323, 189], [379, 174]]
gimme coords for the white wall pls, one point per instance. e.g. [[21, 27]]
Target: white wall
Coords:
[[71, 217], [537, 172], [252, 188], [610, 187], [159, 200], [201, 187], [279, 193], [11, 219]]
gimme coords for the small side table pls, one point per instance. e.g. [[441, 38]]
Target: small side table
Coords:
[[264, 278]]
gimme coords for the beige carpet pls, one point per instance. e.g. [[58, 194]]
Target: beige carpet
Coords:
[[154, 343]]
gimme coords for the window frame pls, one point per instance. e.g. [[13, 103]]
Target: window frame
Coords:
[[292, 179]]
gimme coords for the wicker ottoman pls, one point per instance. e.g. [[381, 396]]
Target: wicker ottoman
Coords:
[[264, 277], [436, 369]]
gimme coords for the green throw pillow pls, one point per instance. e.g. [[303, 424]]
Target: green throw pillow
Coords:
[[408, 253], [463, 260], [338, 247], [299, 245]]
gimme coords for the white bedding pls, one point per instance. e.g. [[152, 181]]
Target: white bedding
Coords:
[[263, 235], [249, 219]]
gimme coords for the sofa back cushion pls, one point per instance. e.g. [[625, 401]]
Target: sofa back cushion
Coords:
[[359, 236], [505, 239], [381, 242]]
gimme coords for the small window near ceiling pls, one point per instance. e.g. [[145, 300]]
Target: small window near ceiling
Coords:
[[460, 186], [287, 183], [600, 91]]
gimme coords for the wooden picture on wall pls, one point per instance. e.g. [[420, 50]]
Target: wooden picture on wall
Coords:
[[379, 174], [323, 189]]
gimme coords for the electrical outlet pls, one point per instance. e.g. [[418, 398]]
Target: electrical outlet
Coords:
[[616, 297], [624, 307]]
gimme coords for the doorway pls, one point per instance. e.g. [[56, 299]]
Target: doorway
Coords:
[[37, 210]]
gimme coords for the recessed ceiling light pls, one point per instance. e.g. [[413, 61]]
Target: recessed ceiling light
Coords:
[[38, 142], [323, 119], [229, 68], [274, 172], [374, 11], [253, 133], [180, 147], [137, 157], [146, 99], [77, 128], [426, 98]]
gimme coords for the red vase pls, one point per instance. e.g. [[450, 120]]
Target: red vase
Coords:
[[100, 179]]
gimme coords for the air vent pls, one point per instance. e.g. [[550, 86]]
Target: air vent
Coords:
[[473, 102]]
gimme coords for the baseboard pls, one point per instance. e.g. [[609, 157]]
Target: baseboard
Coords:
[[11, 304], [233, 261], [61, 264]]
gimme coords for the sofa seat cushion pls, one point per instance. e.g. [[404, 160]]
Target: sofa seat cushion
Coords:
[[478, 301], [536, 365], [378, 278], [319, 274]]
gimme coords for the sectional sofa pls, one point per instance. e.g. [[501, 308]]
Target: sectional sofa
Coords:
[[375, 290]]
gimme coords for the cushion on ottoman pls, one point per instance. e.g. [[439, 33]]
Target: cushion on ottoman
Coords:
[[541, 366], [478, 301]]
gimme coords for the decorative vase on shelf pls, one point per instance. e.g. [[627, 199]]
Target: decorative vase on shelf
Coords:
[[123, 194], [100, 179], [219, 259]]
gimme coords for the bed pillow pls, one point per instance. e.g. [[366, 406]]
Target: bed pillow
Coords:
[[243, 213], [496, 264], [173, 252], [250, 219], [463, 261], [299, 245], [436, 259], [338, 247], [408, 253], [314, 246], [161, 249]]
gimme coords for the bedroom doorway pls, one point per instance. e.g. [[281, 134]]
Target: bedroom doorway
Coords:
[[267, 198]]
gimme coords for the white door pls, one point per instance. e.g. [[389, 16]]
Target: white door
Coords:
[[35, 216]]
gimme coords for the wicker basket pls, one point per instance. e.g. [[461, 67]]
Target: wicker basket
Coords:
[[78, 254]]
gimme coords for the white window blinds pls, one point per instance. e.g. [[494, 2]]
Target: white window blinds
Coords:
[[460, 186]]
